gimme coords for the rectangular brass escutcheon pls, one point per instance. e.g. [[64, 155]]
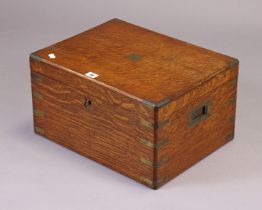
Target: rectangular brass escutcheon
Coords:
[[199, 113]]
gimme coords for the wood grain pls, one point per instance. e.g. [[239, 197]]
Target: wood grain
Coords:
[[187, 145], [135, 116], [171, 64], [107, 134]]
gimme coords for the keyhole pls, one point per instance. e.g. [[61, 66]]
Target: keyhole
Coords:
[[202, 111], [87, 103]]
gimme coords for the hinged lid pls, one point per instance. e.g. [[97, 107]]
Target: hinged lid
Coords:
[[147, 65]]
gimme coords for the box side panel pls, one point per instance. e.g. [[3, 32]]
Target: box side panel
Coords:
[[102, 125], [198, 124]]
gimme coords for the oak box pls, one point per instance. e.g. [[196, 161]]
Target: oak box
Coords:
[[144, 104]]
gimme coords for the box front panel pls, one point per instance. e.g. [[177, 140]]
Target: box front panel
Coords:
[[85, 123], [202, 125]]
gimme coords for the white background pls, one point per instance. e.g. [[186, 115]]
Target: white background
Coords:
[[36, 174]]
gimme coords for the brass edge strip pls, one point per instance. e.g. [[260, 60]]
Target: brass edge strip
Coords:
[[162, 143], [232, 82], [162, 180], [152, 145], [36, 76], [161, 162], [39, 113], [233, 63], [229, 137], [35, 57], [153, 104], [231, 119], [162, 103], [146, 180], [162, 123], [232, 100], [149, 103], [147, 143], [37, 95], [155, 165], [146, 123], [152, 124], [147, 162], [39, 130]]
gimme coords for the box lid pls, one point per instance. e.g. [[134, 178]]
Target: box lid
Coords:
[[147, 65]]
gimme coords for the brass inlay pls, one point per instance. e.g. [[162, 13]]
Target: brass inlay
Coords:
[[161, 180], [229, 137], [232, 82], [146, 180], [232, 100], [147, 143], [37, 95], [134, 57], [155, 165], [39, 113], [161, 162], [232, 119], [233, 63], [152, 124], [162, 123], [36, 76], [145, 161], [39, 130], [152, 145], [146, 123]]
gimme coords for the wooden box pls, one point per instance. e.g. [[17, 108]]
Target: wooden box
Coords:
[[144, 104]]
